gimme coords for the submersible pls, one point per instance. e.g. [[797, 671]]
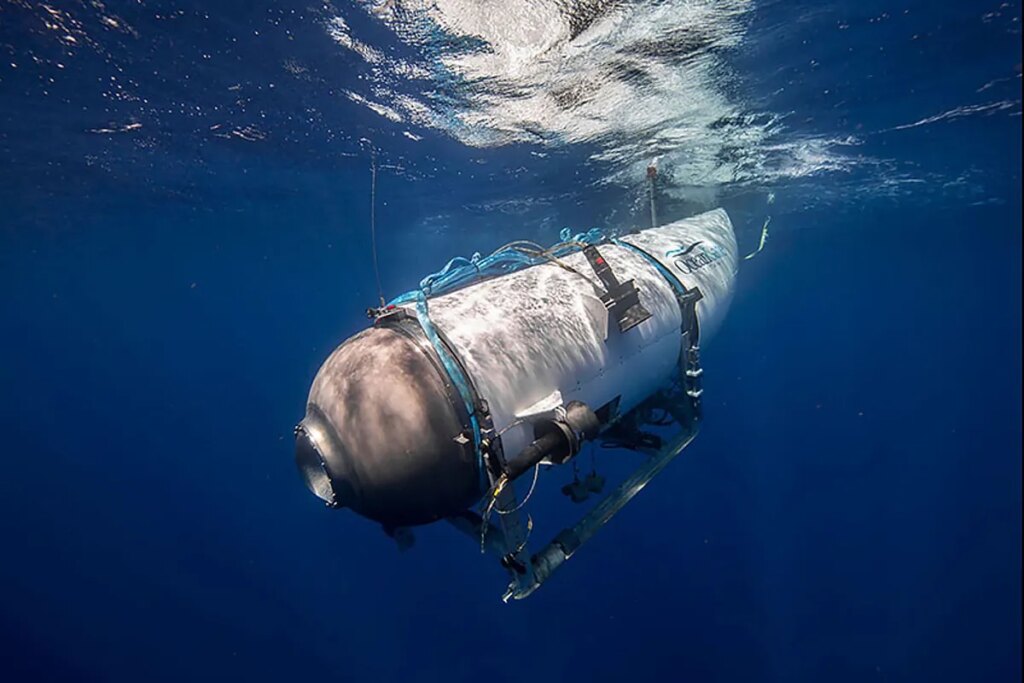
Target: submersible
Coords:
[[499, 366]]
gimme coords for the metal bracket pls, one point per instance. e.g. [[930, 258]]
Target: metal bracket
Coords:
[[622, 299], [689, 363], [511, 530]]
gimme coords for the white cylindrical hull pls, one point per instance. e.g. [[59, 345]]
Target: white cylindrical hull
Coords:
[[542, 334]]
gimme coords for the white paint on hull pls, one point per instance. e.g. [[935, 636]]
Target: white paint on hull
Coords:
[[528, 334]]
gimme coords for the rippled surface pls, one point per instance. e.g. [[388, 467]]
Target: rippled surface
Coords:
[[724, 97], [639, 83]]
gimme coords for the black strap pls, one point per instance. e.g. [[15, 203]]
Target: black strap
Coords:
[[689, 364], [620, 298], [688, 308], [601, 267]]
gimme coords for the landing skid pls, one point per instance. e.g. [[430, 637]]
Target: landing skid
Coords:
[[529, 572]]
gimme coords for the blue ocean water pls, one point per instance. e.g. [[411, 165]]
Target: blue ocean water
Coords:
[[184, 237]]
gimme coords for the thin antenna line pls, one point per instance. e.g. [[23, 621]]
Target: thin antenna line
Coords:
[[652, 174], [373, 222]]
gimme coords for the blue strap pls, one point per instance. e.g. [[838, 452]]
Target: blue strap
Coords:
[[454, 371], [460, 271]]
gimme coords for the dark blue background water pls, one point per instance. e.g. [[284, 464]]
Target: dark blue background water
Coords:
[[850, 511]]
